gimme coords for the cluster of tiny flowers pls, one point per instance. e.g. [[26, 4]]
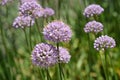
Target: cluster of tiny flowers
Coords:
[[104, 42], [93, 26], [64, 56], [92, 10], [44, 55], [3, 2], [57, 31], [23, 21], [48, 12], [32, 9]]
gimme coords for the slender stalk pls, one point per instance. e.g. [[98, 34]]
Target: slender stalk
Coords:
[[95, 17], [25, 36], [58, 6], [30, 40], [103, 57], [59, 65], [112, 66], [25, 33], [41, 73], [6, 55], [60, 70], [106, 69], [67, 10], [3, 40], [89, 56], [48, 75], [39, 30], [102, 60]]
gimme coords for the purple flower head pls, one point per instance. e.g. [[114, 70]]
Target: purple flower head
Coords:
[[3, 2], [104, 42], [32, 9], [48, 12], [23, 21], [44, 55], [57, 31], [92, 10], [93, 26], [64, 56]]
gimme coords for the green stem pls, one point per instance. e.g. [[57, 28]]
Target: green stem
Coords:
[[58, 8], [102, 60], [39, 30], [48, 75], [89, 56], [95, 17], [112, 66], [7, 56], [106, 66], [25, 33], [59, 65], [30, 39], [3, 39], [67, 10], [25, 36], [41, 72]]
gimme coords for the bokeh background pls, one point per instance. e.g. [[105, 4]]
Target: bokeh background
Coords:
[[15, 59]]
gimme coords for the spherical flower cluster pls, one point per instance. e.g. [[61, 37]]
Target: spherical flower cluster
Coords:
[[92, 10], [23, 21], [104, 42], [64, 56], [44, 55], [48, 12], [32, 9], [3, 2], [93, 26], [57, 31]]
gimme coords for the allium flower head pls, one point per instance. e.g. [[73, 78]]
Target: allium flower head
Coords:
[[48, 12], [92, 10], [93, 26], [64, 56], [104, 42], [44, 55], [23, 21], [3, 2], [32, 9], [57, 31]]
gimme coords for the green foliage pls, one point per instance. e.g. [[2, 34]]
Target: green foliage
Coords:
[[15, 55]]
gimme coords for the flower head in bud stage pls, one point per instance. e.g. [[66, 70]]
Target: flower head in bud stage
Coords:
[[32, 9], [44, 55], [23, 21], [104, 42], [64, 56], [57, 31], [92, 10], [93, 26], [48, 12]]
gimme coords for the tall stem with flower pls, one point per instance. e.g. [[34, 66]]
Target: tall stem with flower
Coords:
[[102, 43], [92, 27], [57, 32]]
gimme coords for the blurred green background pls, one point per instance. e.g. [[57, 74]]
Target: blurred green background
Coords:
[[15, 59]]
